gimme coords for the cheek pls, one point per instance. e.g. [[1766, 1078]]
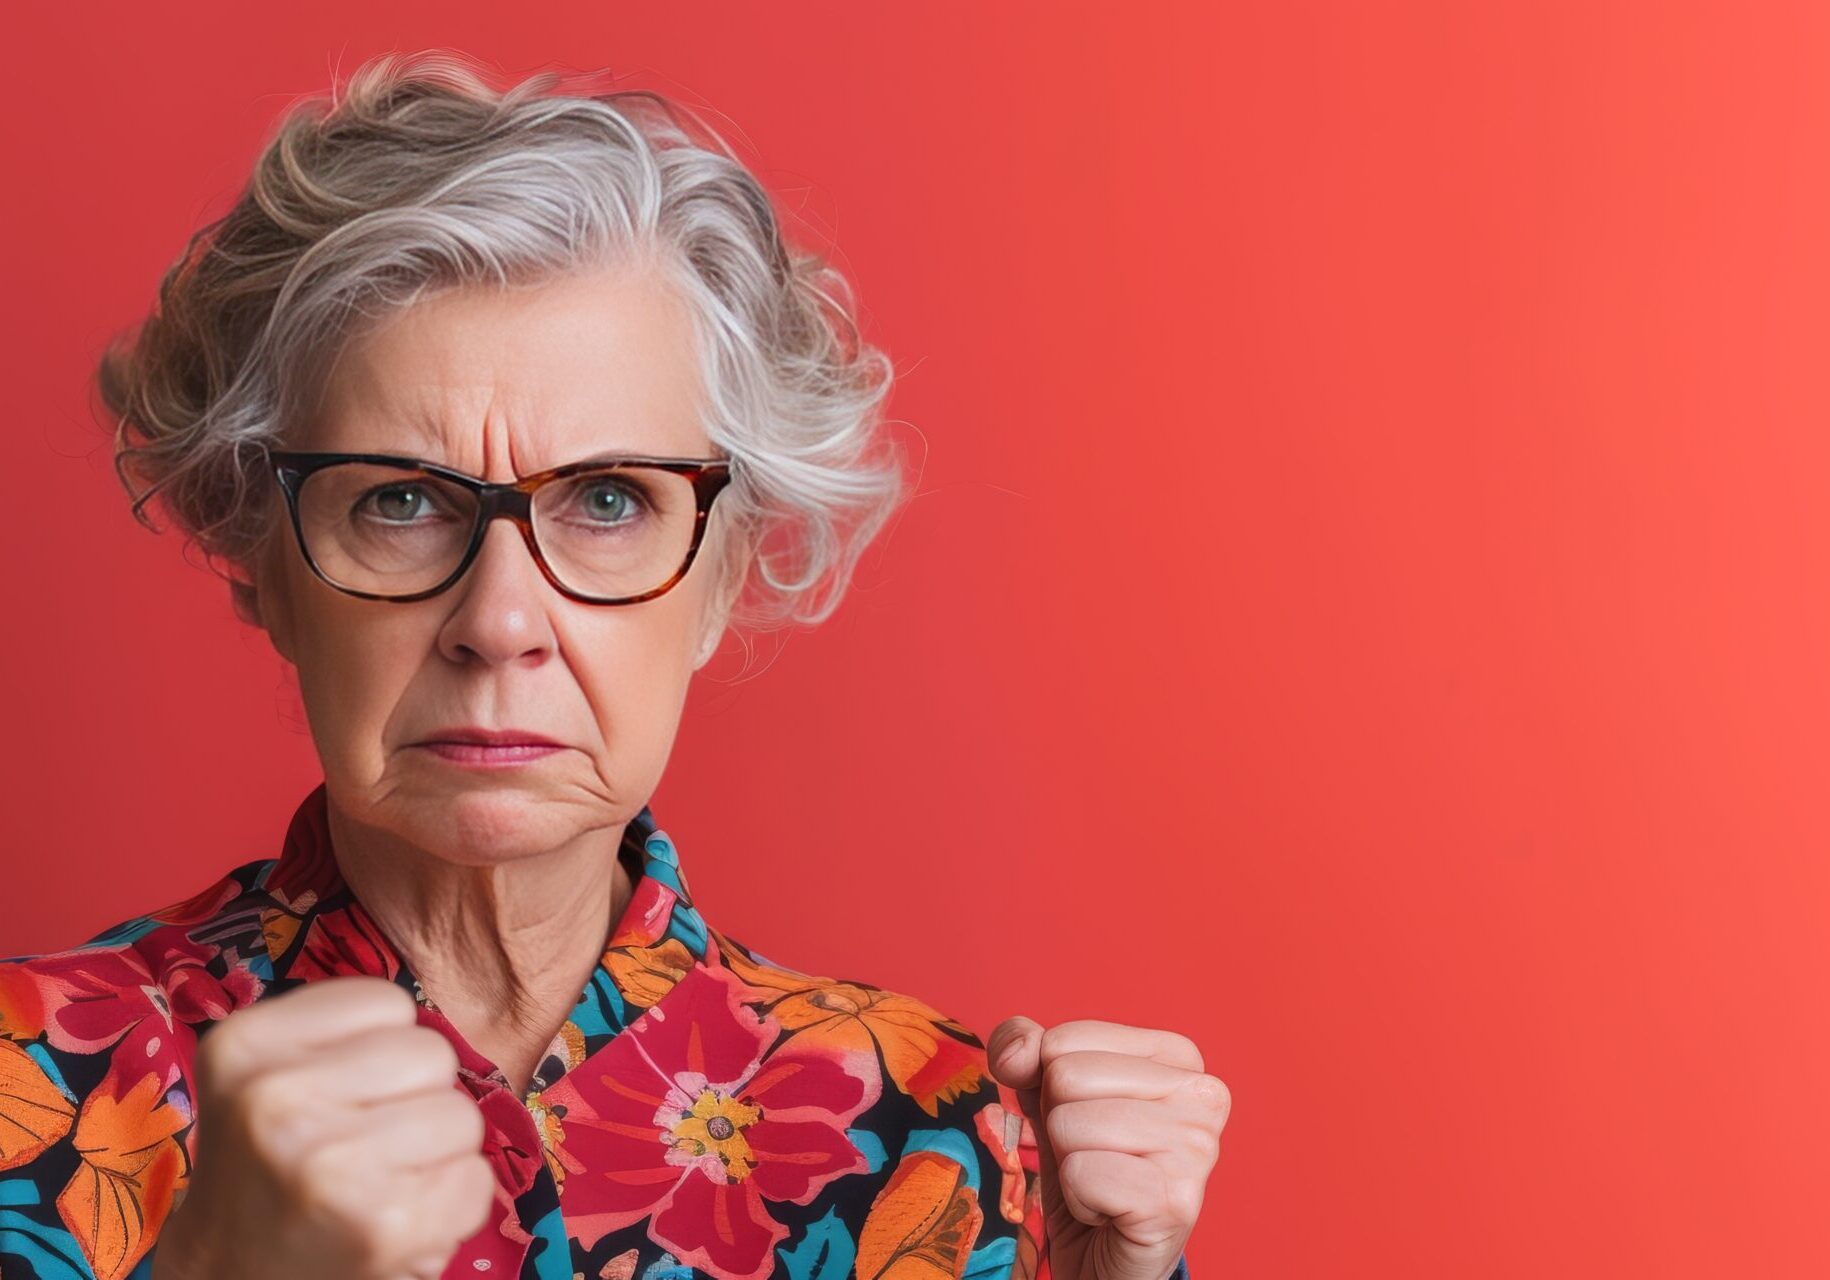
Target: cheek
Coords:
[[635, 669], [352, 671]]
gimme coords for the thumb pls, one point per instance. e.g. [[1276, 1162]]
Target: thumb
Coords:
[[1014, 1055]]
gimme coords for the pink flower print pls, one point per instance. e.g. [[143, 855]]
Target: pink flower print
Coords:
[[88, 999], [688, 1119]]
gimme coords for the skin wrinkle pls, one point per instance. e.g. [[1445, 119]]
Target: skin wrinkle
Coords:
[[524, 966], [499, 887]]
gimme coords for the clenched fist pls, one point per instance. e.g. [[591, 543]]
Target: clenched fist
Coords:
[[1127, 1123], [331, 1141]]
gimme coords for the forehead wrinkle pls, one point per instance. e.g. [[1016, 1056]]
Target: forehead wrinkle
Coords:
[[431, 418], [439, 422], [509, 450], [453, 397], [496, 394]]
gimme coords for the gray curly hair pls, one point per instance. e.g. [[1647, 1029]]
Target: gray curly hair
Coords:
[[424, 173]]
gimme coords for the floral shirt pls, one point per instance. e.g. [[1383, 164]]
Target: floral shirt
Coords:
[[703, 1111]]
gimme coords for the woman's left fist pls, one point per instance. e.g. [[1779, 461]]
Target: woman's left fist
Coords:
[[1127, 1123]]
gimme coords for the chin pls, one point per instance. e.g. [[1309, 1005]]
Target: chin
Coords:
[[489, 821]]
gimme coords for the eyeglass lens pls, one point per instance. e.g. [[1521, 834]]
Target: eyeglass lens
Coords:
[[611, 532]]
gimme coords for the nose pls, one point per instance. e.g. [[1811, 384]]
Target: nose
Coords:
[[500, 612]]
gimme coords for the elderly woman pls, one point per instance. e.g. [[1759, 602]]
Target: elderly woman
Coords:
[[490, 400]]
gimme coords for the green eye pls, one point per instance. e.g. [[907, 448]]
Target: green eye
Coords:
[[610, 504]]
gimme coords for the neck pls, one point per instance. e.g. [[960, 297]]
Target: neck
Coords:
[[503, 950]]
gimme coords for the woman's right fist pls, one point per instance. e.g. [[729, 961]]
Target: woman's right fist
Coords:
[[332, 1140]]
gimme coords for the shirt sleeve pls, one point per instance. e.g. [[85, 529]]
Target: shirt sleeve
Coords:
[[93, 1116], [38, 1161]]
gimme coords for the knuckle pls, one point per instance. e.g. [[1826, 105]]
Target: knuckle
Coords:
[[467, 1117], [1211, 1093], [1051, 1083], [219, 1054], [449, 1111], [1076, 1169], [433, 1048], [1185, 1197], [388, 1226], [321, 1175], [383, 994], [278, 1141], [1205, 1142], [1054, 1041], [267, 1102]]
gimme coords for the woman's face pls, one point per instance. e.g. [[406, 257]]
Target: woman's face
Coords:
[[500, 385]]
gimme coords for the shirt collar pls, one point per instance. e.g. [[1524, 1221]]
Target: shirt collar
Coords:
[[314, 927]]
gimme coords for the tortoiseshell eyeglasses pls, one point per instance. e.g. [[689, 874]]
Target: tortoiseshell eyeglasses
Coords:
[[612, 529]]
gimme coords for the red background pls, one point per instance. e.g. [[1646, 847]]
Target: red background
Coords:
[[1366, 608]]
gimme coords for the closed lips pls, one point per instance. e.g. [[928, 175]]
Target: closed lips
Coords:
[[490, 738]]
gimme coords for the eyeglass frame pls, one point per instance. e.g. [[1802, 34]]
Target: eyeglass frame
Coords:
[[509, 499]]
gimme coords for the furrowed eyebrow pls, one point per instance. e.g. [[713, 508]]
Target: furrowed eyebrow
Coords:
[[612, 456], [632, 455], [603, 458], [595, 459]]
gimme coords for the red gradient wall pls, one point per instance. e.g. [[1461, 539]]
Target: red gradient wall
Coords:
[[1368, 604]]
